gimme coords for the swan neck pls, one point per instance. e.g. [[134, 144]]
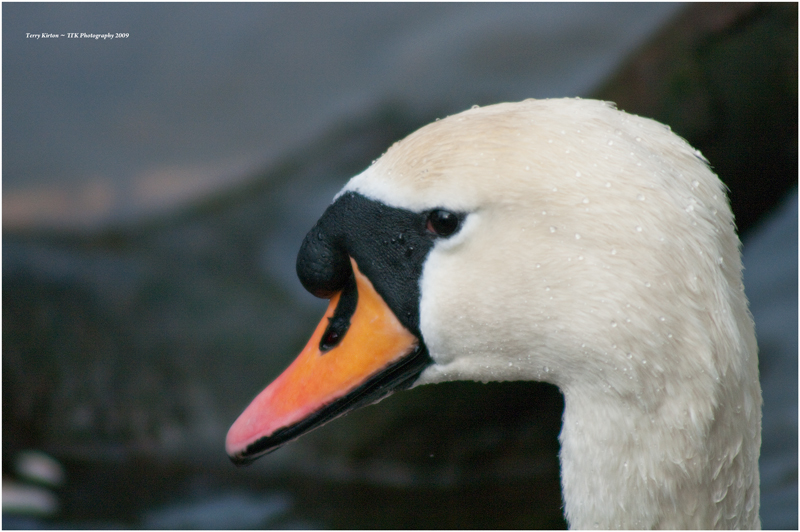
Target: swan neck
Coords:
[[628, 464]]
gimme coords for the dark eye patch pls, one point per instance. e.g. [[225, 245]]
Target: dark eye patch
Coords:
[[390, 246]]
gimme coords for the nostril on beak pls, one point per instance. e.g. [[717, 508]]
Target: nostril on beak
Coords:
[[339, 323]]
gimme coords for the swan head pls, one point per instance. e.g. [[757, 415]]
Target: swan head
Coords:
[[586, 235], [553, 240]]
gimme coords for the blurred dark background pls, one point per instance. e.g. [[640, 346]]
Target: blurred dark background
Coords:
[[156, 189]]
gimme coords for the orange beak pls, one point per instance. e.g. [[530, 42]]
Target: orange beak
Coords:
[[366, 365]]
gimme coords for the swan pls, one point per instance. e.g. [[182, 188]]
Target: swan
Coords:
[[557, 240]]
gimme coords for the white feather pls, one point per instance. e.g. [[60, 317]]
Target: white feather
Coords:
[[599, 255]]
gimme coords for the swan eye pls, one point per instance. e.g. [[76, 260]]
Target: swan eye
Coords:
[[442, 222]]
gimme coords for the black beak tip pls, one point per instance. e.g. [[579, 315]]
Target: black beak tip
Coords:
[[240, 461]]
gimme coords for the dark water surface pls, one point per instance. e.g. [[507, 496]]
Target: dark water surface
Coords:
[[484, 457], [145, 494]]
